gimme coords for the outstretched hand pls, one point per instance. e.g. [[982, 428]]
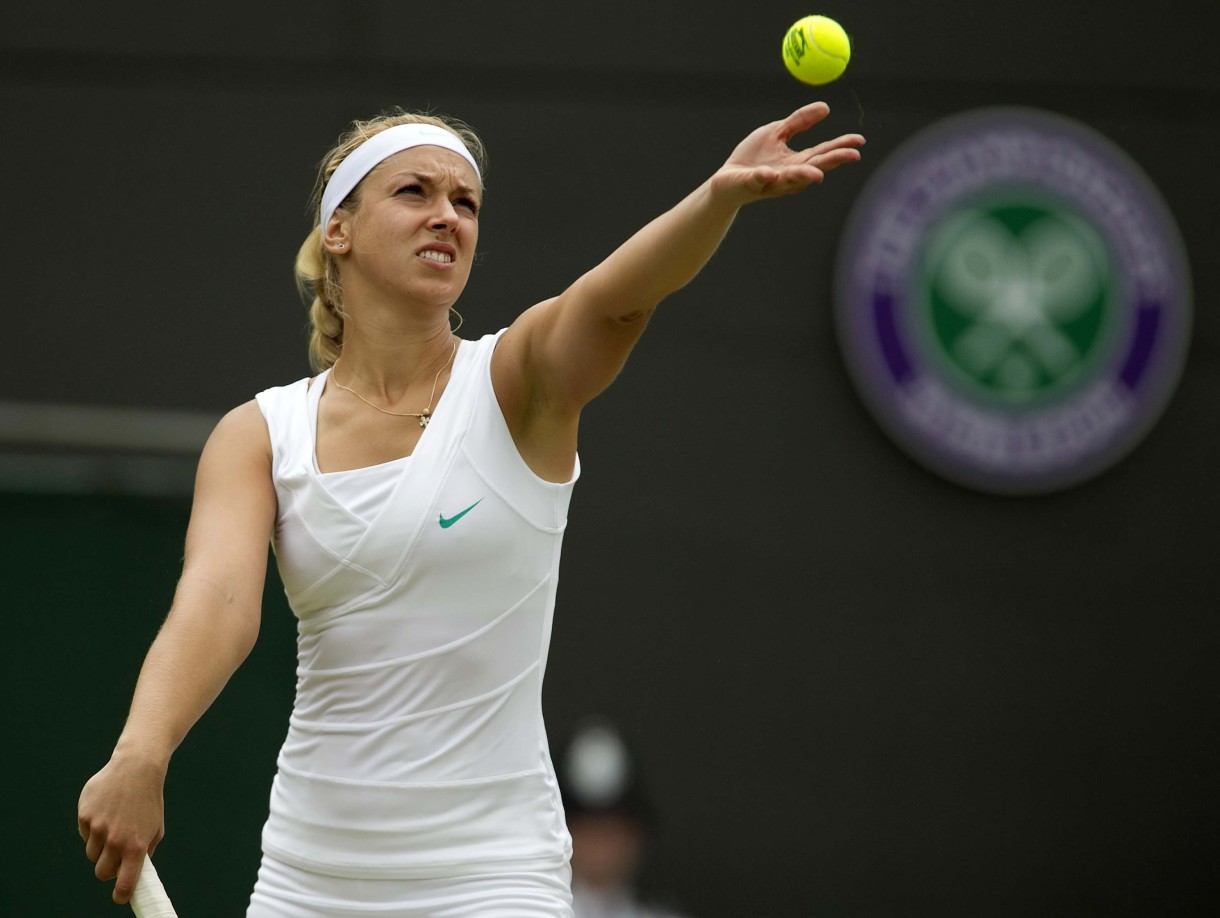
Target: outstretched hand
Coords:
[[765, 166]]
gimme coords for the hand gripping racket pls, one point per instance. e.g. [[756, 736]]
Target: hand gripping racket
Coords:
[[149, 899]]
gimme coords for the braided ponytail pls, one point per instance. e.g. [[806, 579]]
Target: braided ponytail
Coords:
[[318, 274]]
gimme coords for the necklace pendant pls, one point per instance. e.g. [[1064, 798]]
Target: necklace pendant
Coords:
[[423, 419]]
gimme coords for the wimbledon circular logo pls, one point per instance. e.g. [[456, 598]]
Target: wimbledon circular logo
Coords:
[[1013, 300]]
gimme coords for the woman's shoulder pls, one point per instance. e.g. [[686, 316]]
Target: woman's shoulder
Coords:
[[240, 432], [246, 421]]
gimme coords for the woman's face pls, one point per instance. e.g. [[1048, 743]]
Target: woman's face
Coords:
[[414, 232]]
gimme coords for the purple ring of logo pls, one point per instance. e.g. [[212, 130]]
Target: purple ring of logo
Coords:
[[1012, 151]]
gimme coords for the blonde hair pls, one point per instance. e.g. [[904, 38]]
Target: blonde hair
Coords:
[[317, 270]]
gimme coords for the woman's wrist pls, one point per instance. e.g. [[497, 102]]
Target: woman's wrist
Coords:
[[142, 750], [725, 195]]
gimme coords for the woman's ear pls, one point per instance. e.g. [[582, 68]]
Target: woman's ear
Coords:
[[334, 238]]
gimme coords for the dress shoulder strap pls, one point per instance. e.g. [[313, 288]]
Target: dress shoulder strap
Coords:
[[286, 411]]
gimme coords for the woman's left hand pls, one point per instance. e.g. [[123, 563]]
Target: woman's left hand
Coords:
[[765, 166]]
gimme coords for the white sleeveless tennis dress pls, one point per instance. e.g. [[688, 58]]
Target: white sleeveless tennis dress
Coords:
[[415, 778]]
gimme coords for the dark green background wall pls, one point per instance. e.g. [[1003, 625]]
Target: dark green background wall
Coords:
[[89, 579], [859, 690]]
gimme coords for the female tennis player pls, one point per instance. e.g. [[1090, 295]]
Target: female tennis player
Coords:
[[416, 494]]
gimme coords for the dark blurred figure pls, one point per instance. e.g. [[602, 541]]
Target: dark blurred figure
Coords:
[[610, 819]]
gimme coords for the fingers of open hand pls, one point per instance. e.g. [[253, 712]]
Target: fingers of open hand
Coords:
[[842, 142], [832, 159], [760, 152], [802, 119]]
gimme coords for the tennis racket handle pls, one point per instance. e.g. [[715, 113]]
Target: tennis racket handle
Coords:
[[149, 899]]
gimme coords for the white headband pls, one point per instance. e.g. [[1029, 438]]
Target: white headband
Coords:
[[382, 145]]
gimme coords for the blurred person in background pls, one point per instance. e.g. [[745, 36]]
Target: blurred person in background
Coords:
[[611, 820]]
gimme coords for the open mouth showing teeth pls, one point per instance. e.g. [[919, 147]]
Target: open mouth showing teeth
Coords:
[[432, 255]]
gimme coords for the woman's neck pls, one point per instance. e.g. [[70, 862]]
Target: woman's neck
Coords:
[[386, 359]]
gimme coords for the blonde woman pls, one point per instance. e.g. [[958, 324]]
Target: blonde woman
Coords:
[[416, 493]]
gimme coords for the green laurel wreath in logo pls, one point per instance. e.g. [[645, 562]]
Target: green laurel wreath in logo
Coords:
[[1017, 298]]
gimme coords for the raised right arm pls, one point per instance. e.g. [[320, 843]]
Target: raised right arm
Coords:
[[211, 628]]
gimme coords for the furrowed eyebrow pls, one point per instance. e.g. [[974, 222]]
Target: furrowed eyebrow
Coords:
[[419, 178], [430, 178]]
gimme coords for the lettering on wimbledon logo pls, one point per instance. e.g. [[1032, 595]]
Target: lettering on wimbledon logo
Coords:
[[1013, 300]]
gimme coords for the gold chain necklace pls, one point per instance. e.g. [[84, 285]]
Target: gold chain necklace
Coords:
[[424, 416]]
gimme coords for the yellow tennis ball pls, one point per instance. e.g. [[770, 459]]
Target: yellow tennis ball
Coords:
[[816, 50]]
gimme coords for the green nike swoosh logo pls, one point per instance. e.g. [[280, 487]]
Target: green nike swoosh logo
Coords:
[[446, 523]]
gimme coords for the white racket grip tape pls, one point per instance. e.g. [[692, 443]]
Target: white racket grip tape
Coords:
[[149, 899]]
